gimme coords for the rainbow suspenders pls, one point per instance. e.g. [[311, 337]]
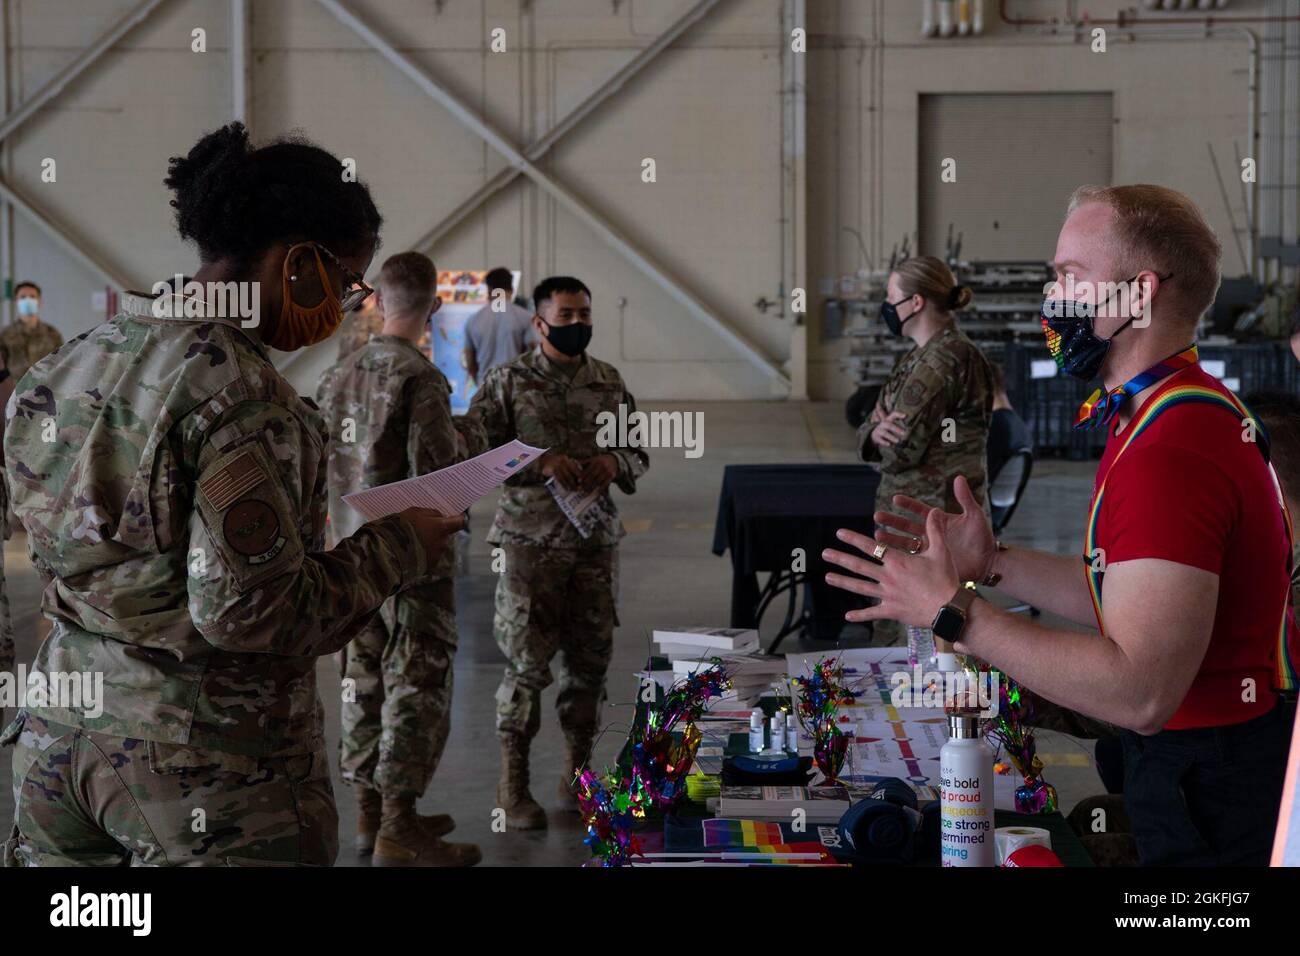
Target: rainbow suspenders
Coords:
[[1285, 673]]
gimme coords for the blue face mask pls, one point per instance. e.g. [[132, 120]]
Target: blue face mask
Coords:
[[28, 306]]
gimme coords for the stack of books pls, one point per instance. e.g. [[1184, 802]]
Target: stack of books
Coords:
[[823, 805], [752, 676], [752, 672], [697, 642]]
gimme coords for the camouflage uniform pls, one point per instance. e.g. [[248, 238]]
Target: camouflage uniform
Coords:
[[945, 388], [390, 418], [357, 327], [558, 591], [947, 378], [6, 622], [24, 346], [177, 518]]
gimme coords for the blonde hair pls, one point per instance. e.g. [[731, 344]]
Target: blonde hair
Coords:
[[930, 277], [1162, 230], [409, 281]]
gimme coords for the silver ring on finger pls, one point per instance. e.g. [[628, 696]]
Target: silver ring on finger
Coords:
[[879, 552]]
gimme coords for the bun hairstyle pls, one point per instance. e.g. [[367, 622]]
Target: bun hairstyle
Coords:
[[931, 278], [234, 202]]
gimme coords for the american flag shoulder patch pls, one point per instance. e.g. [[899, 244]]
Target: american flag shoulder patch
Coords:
[[236, 479]]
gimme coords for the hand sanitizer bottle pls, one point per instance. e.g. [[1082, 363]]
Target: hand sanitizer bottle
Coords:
[[756, 731], [776, 733]]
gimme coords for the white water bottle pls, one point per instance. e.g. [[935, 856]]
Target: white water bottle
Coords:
[[966, 795], [920, 645], [756, 736], [776, 733]]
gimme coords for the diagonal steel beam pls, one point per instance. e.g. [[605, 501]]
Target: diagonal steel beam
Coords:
[[536, 150], [83, 61], [62, 237], [606, 230]]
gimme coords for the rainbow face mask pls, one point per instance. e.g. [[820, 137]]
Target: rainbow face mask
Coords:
[[1071, 340]]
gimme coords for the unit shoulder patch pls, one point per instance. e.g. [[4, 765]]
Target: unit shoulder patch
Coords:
[[248, 516], [252, 528]]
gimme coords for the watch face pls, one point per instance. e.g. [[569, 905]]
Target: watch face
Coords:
[[947, 624]]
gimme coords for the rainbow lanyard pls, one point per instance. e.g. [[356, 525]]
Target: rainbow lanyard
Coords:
[[1285, 673], [1101, 406]]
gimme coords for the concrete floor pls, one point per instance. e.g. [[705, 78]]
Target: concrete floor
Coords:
[[669, 576]]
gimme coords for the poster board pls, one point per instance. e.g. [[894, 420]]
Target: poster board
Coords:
[[1286, 844], [463, 293]]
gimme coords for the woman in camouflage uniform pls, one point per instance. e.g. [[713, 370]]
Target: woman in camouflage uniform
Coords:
[[931, 422], [172, 485]]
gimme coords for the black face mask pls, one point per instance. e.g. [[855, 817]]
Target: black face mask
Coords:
[[1071, 339], [889, 315], [571, 340]]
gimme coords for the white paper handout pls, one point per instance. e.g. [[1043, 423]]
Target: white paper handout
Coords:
[[582, 508], [448, 491]]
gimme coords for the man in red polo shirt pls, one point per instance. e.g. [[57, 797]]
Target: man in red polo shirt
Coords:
[[1184, 570]]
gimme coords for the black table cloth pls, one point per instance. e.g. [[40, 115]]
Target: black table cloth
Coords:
[[765, 512]]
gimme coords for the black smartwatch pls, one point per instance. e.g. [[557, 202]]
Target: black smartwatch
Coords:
[[951, 619]]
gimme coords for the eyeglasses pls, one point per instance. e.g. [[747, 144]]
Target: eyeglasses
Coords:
[[356, 291]]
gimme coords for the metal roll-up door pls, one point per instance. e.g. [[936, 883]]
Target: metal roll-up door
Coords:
[[1018, 157]]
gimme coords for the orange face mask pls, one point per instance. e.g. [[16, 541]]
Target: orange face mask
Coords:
[[298, 326]]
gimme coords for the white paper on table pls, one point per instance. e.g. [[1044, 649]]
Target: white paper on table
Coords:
[[448, 491], [856, 661]]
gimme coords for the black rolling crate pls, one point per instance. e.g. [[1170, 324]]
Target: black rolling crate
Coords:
[[1050, 407], [1255, 365]]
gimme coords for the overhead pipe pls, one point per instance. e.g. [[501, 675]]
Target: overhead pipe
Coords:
[[1289, 67], [947, 22], [953, 18], [1129, 21]]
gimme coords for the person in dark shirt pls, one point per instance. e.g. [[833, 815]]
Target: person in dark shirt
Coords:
[[1279, 413], [1008, 432]]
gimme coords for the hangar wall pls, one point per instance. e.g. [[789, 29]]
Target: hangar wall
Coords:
[[728, 213]]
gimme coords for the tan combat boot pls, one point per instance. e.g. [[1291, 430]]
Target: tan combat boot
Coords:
[[577, 751], [369, 814], [403, 840], [522, 811]]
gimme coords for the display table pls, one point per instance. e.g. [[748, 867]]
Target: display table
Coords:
[[890, 737], [765, 513], [1065, 843]]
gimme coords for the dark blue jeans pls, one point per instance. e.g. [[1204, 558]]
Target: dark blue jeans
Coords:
[[1209, 796]]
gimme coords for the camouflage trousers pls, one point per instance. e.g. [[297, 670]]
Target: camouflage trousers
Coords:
[[86, 799], [397, 714], [549, 600], [6, 623]]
